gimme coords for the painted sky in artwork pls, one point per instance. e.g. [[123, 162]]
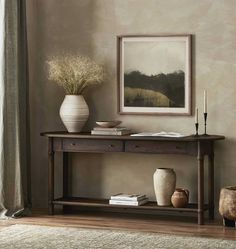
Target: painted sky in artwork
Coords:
[[152, 58]]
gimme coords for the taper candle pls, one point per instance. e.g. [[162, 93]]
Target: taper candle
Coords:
[[196, 116], [205, 101]]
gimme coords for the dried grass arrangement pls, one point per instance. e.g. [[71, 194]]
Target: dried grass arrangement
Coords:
[[74, 73]]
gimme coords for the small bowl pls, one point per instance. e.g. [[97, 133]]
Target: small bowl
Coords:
[[108, 124]]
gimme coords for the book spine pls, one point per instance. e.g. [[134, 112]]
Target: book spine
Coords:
[[126, 203], [124, 198], [105, 132], [118, 133], [109, 129], [128, 198]]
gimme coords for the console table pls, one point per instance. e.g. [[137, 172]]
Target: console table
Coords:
[[196, 146]]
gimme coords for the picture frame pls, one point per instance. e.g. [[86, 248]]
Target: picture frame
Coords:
[[154, 74]]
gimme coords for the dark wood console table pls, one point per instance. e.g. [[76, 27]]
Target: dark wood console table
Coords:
[[198, 147]]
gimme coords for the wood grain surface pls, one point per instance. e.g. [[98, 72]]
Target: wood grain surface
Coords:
[[121, 221]]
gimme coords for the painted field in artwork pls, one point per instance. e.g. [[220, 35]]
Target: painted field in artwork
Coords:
[[161, 90]]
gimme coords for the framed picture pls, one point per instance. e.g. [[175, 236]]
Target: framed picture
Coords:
[[154, 74]]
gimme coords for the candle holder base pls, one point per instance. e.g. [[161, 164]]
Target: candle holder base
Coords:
[[205, 124], [196, 127]]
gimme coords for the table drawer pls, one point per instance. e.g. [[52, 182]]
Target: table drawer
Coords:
[[167, 147], [92, 145]]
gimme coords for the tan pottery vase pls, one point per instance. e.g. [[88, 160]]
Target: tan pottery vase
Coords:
[[180, 198], [227, 205], [164, 185]]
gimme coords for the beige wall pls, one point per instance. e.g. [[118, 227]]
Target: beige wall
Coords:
[[90, 28]]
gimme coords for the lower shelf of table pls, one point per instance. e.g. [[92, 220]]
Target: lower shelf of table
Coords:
[[151, 205]]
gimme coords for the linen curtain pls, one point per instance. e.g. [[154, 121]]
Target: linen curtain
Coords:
[[14, 125]]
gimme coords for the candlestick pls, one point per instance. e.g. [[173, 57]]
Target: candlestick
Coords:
[[196, 116], [196, 126], [205, 101], [205, 122]]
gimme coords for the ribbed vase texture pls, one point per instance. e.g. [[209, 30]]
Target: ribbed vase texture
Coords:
[[164, 185], [74, 112]]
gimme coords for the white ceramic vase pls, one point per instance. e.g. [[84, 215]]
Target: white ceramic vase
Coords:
[[74, 112], [164, 185]]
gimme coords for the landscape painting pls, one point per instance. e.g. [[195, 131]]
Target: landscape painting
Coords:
[[155, 75]]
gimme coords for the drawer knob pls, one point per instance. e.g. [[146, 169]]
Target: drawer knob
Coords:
[[111, 145], [73, 144], [136, 146]]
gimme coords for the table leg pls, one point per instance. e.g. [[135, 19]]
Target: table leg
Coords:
[[65, 176], [211, 186], [65, 173], [201, 190], [50, 177]]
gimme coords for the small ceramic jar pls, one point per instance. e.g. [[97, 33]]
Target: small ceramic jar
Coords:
[[180, 198]]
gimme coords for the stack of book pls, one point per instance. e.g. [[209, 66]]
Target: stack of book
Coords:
[[128, 199], [117, 131]]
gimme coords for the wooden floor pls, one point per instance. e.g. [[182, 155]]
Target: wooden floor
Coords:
[[134, 222]]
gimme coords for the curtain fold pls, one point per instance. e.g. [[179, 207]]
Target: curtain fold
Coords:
[[14, 120]]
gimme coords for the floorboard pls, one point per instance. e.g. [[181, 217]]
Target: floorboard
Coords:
[[133, 222]]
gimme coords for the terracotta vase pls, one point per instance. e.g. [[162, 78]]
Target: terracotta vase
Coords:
[[227, 204], [180, 198], [164, 185], [74, 112]]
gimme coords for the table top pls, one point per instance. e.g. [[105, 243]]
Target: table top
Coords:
[[87, 135]]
